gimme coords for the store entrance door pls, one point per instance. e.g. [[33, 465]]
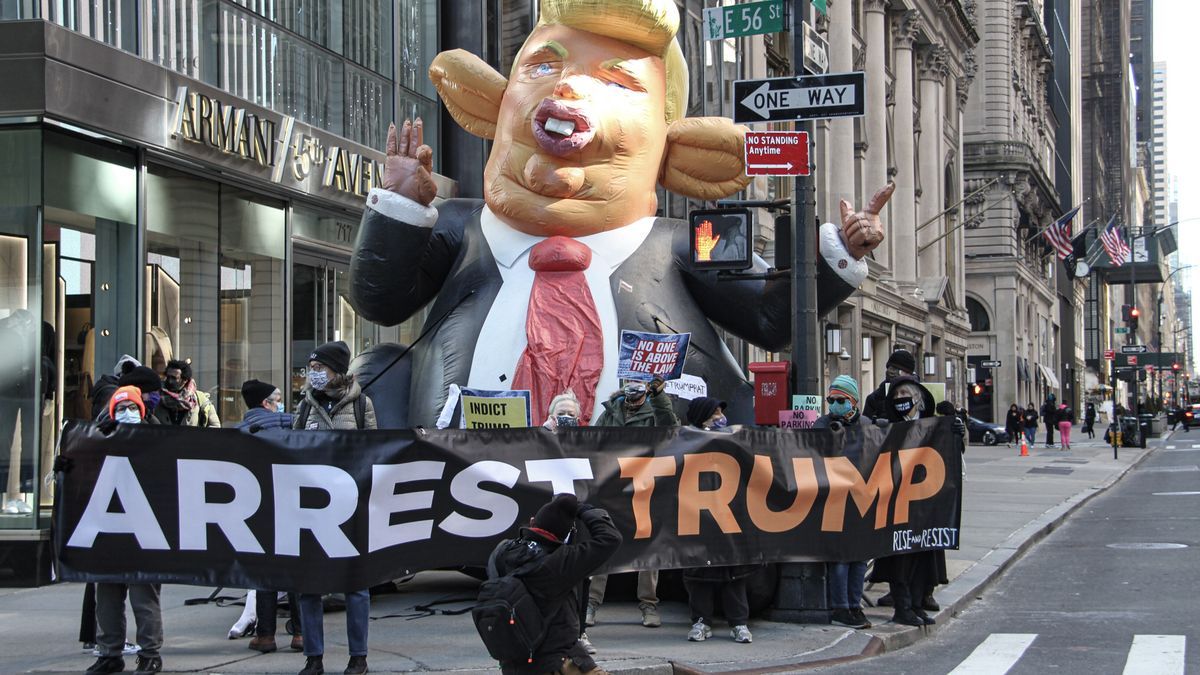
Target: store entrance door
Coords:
[[321, 311]]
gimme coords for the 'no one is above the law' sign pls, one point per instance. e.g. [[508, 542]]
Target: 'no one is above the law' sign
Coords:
[[777, 153]]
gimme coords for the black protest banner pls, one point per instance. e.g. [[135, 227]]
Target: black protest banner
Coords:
[[340, 510]]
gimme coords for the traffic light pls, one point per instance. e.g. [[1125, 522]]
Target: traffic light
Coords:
[[1133, 318], [1175, 367]]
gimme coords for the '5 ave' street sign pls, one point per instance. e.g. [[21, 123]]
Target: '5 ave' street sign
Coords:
[[753, 18], [787, 99]]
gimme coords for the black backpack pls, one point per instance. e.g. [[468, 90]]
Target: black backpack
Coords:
[[509, 622]]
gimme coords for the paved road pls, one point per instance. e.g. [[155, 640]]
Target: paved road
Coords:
[[1089, 599]]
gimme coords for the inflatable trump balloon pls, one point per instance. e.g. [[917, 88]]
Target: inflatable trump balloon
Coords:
[[532, 285]]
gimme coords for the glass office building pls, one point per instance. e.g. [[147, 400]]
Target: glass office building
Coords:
[[182, 179]]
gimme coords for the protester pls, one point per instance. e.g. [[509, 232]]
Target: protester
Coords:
[[900, 364], [563, 411], [147, 382], [1014, 424], [704, 584], [104, 387], [264, 407], [1089, 419], [629, 408], [912, 576], [1031, 424], [1066, 417], [845, 578], [334, 400], [183, 404], [126, 407], [558, 566], [946, 409], [1050, 418]]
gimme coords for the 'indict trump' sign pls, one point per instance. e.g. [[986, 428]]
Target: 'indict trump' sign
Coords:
[[329, 511], [645, 356]]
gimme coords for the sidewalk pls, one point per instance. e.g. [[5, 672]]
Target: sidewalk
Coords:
[[1009, 503]]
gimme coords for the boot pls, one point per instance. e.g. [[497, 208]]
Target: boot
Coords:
[[263, 643], [315, 665], [357, 665]]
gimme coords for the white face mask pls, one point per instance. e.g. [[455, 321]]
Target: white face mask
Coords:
[[318, 379], [128, 416]]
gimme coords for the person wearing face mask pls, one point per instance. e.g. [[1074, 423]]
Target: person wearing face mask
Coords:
[[264, 407], [636, 405], [901, 363], [332, 400], [126, 407], [563, 411], [108, 383], [845, 578], [704, 584], [912, 576], [182, 403]]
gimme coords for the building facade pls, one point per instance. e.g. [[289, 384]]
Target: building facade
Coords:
[[182, 180]]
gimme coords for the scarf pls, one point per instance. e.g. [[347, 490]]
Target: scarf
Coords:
[[183, 400]]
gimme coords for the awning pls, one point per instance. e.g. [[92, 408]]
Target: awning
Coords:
[[1048, 375]]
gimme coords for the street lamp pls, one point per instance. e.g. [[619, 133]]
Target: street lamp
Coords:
[[1158, 325]]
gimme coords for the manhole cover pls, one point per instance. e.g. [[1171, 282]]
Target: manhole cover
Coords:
[[1147, 546], [1170, 469], [1177, 494], [1056, 470]]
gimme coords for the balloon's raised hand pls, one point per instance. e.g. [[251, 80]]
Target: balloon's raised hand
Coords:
[[408, 168], [862, 231]]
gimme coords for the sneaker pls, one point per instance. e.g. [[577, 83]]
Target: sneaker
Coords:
[[263, 643], [925, 618], [315, 665], [147, 665], [357, 665], [589, 617], [885, 600], [650, 618], [861, 618], [297, 643], [699, 632], [842, 616], [741, 634], [907, 617], [587, 644], [130, 648], [930, 605], [107, 664], [89, 646]]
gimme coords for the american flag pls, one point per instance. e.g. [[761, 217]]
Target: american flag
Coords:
[[1059, 234], [1116, 248]]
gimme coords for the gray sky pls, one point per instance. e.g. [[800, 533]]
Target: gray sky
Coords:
[[1176, 23]]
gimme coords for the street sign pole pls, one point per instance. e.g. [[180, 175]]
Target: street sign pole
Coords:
[[801, 594]]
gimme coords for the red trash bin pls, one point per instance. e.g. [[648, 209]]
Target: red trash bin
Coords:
[[771, 392]]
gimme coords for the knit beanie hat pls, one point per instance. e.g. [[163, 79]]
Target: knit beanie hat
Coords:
[[254, 392], [557, 517], [126, 394], [844, 385], [702, 408], [904, 360], [142, 377], [125, 364], [336, 355]]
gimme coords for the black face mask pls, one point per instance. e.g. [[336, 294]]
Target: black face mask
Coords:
[[903, 404], [566, 421], [174, 384]]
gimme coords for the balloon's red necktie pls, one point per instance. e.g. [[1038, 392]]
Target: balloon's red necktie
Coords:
[[565, 340]]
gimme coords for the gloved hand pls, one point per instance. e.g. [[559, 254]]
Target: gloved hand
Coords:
[[63, 464], [107, 426], [881, 422], [656, 386], [583, 508]]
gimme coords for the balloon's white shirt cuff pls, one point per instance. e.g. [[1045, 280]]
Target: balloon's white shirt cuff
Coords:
[[401, 208], [838, 257]]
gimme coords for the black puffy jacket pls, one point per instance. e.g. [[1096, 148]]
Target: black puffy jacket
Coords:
[[554, 585]]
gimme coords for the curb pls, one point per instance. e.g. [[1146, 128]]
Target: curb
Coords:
[[964, 588]]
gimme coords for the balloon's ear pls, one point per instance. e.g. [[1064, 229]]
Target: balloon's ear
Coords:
[[471, 90], [704, 158]]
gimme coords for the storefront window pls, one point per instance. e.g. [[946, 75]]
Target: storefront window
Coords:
[[20, 194], [182, 274], [253, 248]]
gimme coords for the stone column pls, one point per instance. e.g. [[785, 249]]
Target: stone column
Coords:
[[931, 62], [902, 229], [875, 169], [841, 130]]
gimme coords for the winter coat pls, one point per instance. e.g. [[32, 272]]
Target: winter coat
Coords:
[[554, 584], [103, 390], [927, 409], [265, 419], [334, 412], [1049, 414], [658, 414], [1089, 414], [1031, 418], [203, 414], [1014, 422], [873, 408]]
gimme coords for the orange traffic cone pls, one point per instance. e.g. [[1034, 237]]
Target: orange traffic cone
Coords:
[[1024, 447]]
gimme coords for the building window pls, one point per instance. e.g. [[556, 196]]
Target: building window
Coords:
[[978, 316]]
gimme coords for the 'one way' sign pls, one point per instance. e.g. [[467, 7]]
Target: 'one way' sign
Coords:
[[786, 99]]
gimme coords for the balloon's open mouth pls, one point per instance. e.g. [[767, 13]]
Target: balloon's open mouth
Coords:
[[560, 129]]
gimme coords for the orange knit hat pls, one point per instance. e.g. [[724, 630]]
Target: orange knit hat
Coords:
[[127, 393]]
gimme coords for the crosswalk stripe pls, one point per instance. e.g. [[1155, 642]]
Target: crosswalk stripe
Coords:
[[1156, 655], [998, 653]]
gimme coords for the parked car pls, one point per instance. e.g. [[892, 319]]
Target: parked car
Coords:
[[987, 433]]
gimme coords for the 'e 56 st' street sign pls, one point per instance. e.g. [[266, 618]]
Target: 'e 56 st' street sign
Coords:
[[752, 18], [787, 99]]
